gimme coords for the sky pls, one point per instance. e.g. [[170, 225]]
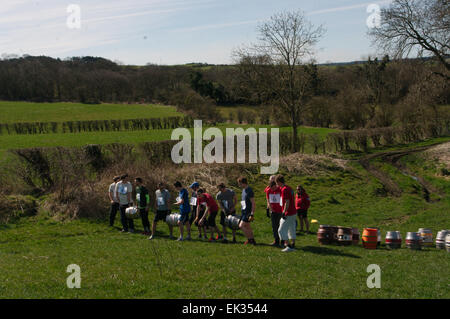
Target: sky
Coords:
[[170, 32]]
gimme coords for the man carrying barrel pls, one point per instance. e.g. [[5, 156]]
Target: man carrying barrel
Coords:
[[211, 211], [302, 204], [274, 209], [162, 207], [195, 186], [185, 208], [248, 210], [143, 203], [288, 218], [227, 200], [123, 192]]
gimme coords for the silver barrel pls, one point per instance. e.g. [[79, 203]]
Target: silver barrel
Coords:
[[232, 221], [413, 241], [172, 219], [440, 239]]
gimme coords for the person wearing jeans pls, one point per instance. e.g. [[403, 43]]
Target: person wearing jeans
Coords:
[[288, 220], [123, 192], [114, 201], [274, 210], [143, 204]]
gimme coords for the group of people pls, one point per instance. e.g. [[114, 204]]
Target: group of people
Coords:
[[200, 209]]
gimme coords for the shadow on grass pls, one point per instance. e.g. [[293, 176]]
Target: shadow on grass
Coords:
[[326, 251]]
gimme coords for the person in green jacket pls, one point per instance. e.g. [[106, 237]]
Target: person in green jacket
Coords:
[[143, 204]]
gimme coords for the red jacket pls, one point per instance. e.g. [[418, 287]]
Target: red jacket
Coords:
[[275, 206], [302, 201], [288, 194], [210, 202]]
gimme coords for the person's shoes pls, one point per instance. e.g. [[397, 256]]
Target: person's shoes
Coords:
[[199, 236], [234, 241], [131, 231], [205, 237], [124, 231], [180, 239], [275, 244], [188, 238], [151, 237], [287, 249], [225, 241], [171, 237], [211, 240]]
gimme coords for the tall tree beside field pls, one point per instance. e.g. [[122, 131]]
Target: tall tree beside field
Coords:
[[420, 27], [275, 67]]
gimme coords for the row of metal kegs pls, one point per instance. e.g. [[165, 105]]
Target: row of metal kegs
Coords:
[[371, 238]]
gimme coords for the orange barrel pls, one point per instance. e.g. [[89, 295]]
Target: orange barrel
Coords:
[[345, 236], [369, 238], [325, 235], [334, 238], [355, 236], [413, 241], [427, 237], [393, 240]]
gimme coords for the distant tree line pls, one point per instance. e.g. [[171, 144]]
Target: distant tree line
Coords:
[[379, 93]]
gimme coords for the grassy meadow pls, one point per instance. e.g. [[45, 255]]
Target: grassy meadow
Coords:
[[35, 251]]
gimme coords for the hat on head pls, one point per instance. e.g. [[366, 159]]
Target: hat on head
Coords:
[[194, 184]]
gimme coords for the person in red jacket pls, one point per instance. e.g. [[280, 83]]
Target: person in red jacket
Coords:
[[288, 215], [211, 212], [274, 209], [302, 203]]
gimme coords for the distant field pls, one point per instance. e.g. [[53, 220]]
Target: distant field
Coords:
[[11, 112]]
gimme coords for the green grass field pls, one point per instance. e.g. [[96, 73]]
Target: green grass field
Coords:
[[36, 251], [12, 112]]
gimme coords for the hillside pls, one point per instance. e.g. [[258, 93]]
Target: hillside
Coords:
[[343, 193]]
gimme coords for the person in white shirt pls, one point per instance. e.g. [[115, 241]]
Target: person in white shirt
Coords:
[[123, 192], [114, 201]]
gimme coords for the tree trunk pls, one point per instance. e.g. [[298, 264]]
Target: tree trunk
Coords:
[[294, 145]]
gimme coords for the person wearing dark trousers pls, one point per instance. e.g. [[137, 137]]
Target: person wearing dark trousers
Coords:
[[143, 204], [123, 192], [114, 201], [274, 210]]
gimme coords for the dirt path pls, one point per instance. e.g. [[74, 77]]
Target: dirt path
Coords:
[[393, 157]]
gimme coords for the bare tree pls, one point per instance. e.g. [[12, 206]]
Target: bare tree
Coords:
[[420, 27], [274, 67]]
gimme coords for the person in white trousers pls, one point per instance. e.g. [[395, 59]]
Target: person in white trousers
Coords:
[[288, 220]]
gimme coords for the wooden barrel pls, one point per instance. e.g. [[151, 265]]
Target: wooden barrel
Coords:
[[355, 236], [427, 237], [413, 241], [447, 243], [172, 219], [233, 221], [393, 240], [334, 238], [369, 238], [440, 239], [345, 236], [132, 213], [325, 235]]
